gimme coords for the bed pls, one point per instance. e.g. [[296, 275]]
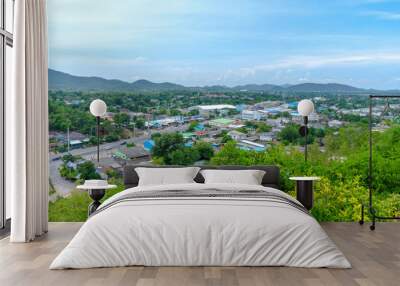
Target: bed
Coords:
[[201, 224]]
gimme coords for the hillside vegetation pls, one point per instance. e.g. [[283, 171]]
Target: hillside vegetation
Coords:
[[343, 167]]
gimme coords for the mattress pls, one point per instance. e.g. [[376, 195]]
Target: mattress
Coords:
[[201, 225]]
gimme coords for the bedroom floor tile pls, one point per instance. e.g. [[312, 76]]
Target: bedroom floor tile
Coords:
[[375, 257]]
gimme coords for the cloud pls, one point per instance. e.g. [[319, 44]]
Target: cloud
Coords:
[[303, 79], [311, 62], [383, 15]]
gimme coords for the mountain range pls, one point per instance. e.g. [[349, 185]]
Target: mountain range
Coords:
[[64, 81]]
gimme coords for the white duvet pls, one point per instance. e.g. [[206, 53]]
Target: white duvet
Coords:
[[202, 232]]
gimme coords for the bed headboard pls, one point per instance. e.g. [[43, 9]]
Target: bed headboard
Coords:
[[271, 177]]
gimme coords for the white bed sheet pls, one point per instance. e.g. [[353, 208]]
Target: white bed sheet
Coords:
[[201, 232]]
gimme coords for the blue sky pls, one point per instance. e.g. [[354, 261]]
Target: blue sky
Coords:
[[232, 42]]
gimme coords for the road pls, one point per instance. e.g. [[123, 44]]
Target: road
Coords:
[[117, 144], [64, 187]]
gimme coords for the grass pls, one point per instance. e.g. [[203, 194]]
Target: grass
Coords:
[[74, 207]]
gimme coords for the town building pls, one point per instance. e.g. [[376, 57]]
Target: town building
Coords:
[[241, 107], [251, 115], [166, 121], [251, 146], [297, 118], [217, 109], [221, 122], [132, 153], [267, 136], [237, 135], [75, 144]]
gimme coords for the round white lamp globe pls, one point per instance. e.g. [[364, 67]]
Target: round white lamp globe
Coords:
[[305, 107], [98, 107]]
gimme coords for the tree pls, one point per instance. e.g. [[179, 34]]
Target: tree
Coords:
[[226, 138], [112, 138], [205, 150], [192, 126], [140, 123], [230, 155], [174, 112], [320, 133], [166, 144], [111, 173], [233, 112], [68, 173], [289, 134], [262, 127], [184, 156], [87, 171], [250, 124], [93, 140], [121, 119], [193, 112], [242, 129], [68, 158], [106, 127], [155, 135]]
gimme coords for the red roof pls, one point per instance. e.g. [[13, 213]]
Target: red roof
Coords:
[[201, 133]]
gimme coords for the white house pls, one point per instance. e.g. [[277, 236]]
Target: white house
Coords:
[[266, 137], [237, 135]]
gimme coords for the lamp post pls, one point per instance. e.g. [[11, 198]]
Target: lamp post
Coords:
[[98, 108], [305, 108]]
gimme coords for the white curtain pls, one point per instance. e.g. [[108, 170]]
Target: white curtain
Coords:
[[27, 123]]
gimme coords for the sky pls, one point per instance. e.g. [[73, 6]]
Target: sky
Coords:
[[228, 42]]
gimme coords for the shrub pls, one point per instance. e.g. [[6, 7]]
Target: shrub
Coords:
[[75, 206], [205, 150], [343, 187], [184, 156]]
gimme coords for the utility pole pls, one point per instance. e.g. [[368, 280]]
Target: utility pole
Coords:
[[68, 139]]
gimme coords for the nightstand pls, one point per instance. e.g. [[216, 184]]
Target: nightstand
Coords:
[[96, 190], [304, 190]]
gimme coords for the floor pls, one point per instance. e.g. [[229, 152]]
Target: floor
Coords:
[[375, 257]]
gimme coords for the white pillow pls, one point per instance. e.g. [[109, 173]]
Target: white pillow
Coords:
[[166, 176], [248, 177]]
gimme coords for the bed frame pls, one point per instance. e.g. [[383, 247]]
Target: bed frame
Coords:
[[270, 179]]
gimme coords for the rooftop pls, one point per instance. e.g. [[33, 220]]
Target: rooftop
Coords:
[[252, 143], [223, 121], [216, 107]]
